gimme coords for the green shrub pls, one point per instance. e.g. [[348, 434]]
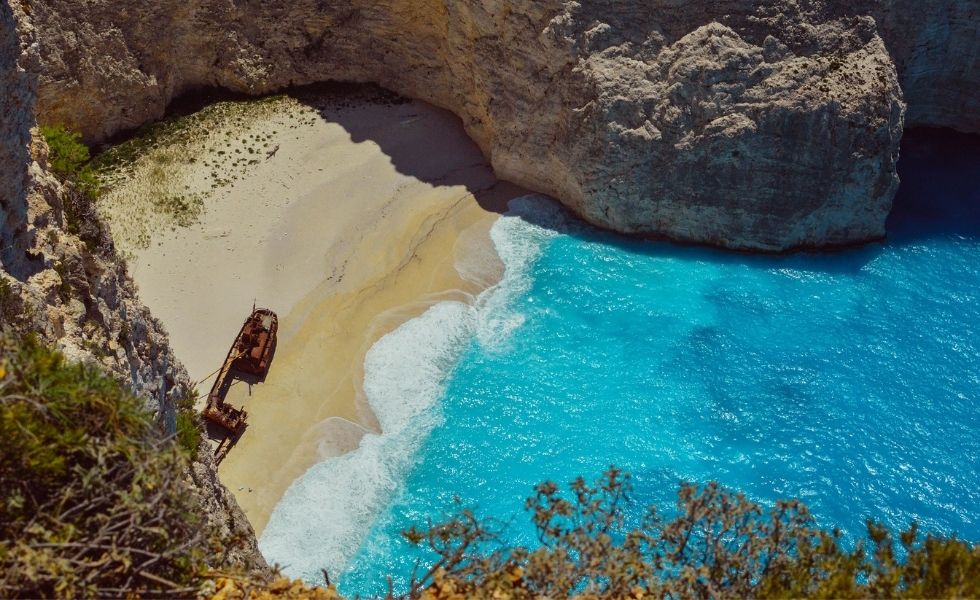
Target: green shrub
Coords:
[[720, 545], [188, 432], [92, 502], [189, 426], [69, 159]]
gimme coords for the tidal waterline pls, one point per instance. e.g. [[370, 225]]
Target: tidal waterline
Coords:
[[846, 379]]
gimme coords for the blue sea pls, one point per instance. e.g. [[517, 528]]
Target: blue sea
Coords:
[[849, 380]]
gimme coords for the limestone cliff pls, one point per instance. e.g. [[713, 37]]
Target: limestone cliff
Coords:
[[68, 287], [936, 48], [745, 124]]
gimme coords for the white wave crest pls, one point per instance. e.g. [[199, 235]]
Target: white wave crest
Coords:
[[520, 237], [322, 519]]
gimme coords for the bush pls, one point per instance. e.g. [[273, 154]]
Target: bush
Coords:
[[719, 546], [189, 426], [70, 160], [92, 502]]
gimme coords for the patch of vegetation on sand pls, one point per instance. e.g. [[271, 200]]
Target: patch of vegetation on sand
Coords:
[[162, 177]]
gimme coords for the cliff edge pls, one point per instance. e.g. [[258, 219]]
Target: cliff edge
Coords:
[[743, 124]]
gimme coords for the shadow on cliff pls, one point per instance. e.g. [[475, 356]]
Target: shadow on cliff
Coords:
[[940, 191], [420, 146]]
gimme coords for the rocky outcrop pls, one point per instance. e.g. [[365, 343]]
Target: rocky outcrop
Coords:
[[753, 125], [72, 292], [75, 293], [19, 65]]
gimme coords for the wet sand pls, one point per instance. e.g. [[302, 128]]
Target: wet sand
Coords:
[[362, 218]]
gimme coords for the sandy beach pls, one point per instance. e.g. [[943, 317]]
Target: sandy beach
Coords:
[[352, 215]]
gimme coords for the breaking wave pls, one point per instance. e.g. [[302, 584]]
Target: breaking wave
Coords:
[[323, 518]]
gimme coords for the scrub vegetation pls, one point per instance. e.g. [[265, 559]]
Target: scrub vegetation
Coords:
[[162, 177], [720, 545], [70, 160], [95, 502]]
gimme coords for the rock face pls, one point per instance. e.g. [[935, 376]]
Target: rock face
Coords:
[[751, 125], [19, 64], [936, 49], [75, 293]]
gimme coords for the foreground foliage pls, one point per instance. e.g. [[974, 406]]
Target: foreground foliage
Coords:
[[92, 501], [719, 545], [239, 588]]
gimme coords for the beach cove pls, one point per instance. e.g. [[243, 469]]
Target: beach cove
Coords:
[[845, 379], [358, 212], [601, 299], [448, 337]]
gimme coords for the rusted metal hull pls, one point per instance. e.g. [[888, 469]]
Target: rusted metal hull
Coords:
[[256, 342], [251, 354]]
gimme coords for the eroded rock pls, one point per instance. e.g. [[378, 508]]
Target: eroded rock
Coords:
[[742, 124]]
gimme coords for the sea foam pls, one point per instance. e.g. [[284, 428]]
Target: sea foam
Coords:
[[519, 238], [323, 518]]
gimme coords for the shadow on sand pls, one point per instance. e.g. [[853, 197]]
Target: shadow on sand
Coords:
[[939, 194], [421, 160]]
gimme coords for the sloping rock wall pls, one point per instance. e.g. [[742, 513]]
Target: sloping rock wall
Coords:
[[731, 123], [19, 64], [936, 48], [74, 293]]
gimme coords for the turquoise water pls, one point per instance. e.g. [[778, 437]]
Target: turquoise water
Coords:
[[849, 380]]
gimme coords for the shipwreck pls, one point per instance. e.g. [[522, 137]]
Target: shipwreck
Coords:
[[248, 360]]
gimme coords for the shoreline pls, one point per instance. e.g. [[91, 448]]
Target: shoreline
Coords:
[[367, 213], [330, 411], [318, 524]]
